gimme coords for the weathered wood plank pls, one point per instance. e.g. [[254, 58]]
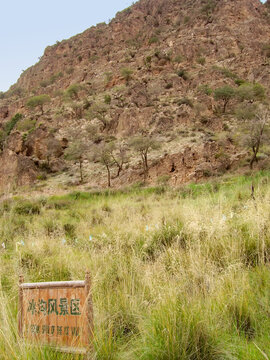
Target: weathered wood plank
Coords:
[[58, 314], [55, 284]]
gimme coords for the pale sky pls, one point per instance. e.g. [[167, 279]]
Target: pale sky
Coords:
[[28, 26]]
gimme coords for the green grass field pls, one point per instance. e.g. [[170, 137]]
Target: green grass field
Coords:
[[178, 274]]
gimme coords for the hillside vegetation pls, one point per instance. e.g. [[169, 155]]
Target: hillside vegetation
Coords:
[[177, 273], [192, 75]]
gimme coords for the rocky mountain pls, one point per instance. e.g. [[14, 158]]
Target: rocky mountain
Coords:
[[152, 70]]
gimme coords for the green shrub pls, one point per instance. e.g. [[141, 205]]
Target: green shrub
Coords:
[[185, 101], [70, 230], [209, 7], [201, 60], [26, 124], [239, 82], [27, 208], [169, 86], [107, 99], [205, 89], [250, 92], [178, 59], [153, 40], [225, 72], [163, 238], [9, 126], [127, 74], [42, 177], [51, 80], [72, 91], [183, 74]]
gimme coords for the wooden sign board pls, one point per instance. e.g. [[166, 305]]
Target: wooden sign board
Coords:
[[57, 314]]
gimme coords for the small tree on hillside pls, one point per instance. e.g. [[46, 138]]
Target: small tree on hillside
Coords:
[[72, 91], [77, 152], [38, 101], [120, 157], [103, 154], [257, 133], [250, 92], [77, 108], [142, 145], [99, 111], [224, 94]]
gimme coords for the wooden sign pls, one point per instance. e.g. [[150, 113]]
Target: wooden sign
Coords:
[[57, 314]]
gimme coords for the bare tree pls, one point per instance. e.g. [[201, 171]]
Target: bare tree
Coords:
[[142, 145], [120, 156], [77, 152], [257, 130], [103, 154]]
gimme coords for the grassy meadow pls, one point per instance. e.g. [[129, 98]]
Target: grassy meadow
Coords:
[[178, 274]]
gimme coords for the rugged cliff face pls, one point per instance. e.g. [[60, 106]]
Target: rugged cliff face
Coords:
[[151, 71]]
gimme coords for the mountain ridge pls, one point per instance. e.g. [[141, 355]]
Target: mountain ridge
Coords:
[[211, 43]]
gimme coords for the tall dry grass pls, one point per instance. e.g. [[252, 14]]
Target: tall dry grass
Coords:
[[177, 274]]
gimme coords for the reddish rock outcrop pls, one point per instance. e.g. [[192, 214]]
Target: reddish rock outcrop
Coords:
[[152, 61]]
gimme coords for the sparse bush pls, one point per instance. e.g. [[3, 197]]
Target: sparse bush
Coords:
[[169, 86], [209, 7], [178, 59], [245, 111], [70, 71], [108, 76], [26, 124], [72, 91], [107, 99], [163, 180], [127, 74], [183, 74], [153, 40], [201, 60], [225, 72], [27, 208], [185, 101], [70, 230], [205, 89]]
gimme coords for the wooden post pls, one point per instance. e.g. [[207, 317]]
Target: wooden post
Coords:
[[90, 317], [20, 313]]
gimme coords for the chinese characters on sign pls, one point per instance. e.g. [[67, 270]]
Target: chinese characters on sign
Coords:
[[58, 314], [51, 306]]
